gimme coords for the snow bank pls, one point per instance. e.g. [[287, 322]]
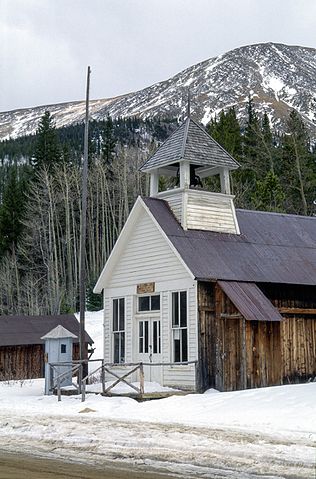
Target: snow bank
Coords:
[[280, 410]]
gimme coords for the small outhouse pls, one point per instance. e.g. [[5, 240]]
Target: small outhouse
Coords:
[[58, 349]]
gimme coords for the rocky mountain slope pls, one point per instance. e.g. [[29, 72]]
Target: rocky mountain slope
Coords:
[[278, 77]]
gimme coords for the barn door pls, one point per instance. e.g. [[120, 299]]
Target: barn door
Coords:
[[263, 353]]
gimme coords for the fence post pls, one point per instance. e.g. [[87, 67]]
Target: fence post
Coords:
[[80, 379], [103, 377], [197, 377], [83, 391], [141, 379], [51, 380], [58, 389]]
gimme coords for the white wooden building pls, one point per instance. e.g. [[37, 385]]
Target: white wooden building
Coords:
[[186, 270], [150, 294]]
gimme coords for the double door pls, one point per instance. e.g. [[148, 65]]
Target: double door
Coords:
[[149, 347]]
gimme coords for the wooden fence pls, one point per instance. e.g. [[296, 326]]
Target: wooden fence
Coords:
[[76, 368]]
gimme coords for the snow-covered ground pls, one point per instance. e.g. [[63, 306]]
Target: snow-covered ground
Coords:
[[268, 432]]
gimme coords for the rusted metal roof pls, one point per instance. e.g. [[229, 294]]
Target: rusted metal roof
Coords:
[[272, 247], [22, 330], [190, 142], [250, 301]]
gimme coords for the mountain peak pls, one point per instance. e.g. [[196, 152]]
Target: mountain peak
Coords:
[[279, 77]]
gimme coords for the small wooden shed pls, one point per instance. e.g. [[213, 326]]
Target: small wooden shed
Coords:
[[21, 346]]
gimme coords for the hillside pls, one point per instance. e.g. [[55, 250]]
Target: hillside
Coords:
[[279, 77]]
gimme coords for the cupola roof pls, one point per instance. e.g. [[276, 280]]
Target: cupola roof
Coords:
[[192, 143]]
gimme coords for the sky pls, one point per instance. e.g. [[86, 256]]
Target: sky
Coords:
[[46, 45]]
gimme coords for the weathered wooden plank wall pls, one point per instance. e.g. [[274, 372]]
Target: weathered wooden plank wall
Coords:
[[25, 361], [298, 349], [21, 362], [207, 336], [298, 331], [264, 362], [237, 354]]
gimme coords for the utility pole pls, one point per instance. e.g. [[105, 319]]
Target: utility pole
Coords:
[[82, 279]]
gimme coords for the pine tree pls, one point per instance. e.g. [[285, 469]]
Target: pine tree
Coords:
[[11, 213], [251, 137], [108, 142], [266, 146], [94, 301], [297, 168], [269, 194], [47, 149], [226, 131]]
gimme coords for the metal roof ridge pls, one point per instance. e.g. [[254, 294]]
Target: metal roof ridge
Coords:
[[275, 213]]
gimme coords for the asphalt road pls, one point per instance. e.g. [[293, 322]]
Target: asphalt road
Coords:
[[17, 466], [131, 450]]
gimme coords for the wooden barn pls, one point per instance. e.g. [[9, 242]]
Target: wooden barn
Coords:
[[219, 297], [21, 346]]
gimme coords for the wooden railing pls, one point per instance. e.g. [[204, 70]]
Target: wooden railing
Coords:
[[55, 381], [76, 368], [105, 368]]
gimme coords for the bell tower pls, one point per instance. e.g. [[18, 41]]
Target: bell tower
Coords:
[[190, 154]]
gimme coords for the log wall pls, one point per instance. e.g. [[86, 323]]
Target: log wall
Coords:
[[22, 362], [25, 362]]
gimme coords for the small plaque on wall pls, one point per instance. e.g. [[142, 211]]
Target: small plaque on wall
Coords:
[[145, 288]]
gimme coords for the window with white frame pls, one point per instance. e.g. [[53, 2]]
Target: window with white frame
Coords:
[[179, 326], [149, 303], [119, 330]]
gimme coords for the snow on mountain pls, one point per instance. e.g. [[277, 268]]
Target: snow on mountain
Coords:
[[278, 77]]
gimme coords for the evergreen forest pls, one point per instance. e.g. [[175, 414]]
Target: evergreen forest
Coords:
[[40, 195]]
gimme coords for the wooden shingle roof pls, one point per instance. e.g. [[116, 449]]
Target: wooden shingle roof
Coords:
[[192, 143]]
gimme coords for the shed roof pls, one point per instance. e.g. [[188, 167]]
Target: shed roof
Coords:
[[59, 333], [23, 330], [272, 247], [190, 142], [250, 301]]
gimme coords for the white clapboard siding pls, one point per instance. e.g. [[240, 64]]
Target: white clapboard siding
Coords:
[[107, 330], [175, 201], [202, 210], [146, 258], [179, 376], [211, 212]]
